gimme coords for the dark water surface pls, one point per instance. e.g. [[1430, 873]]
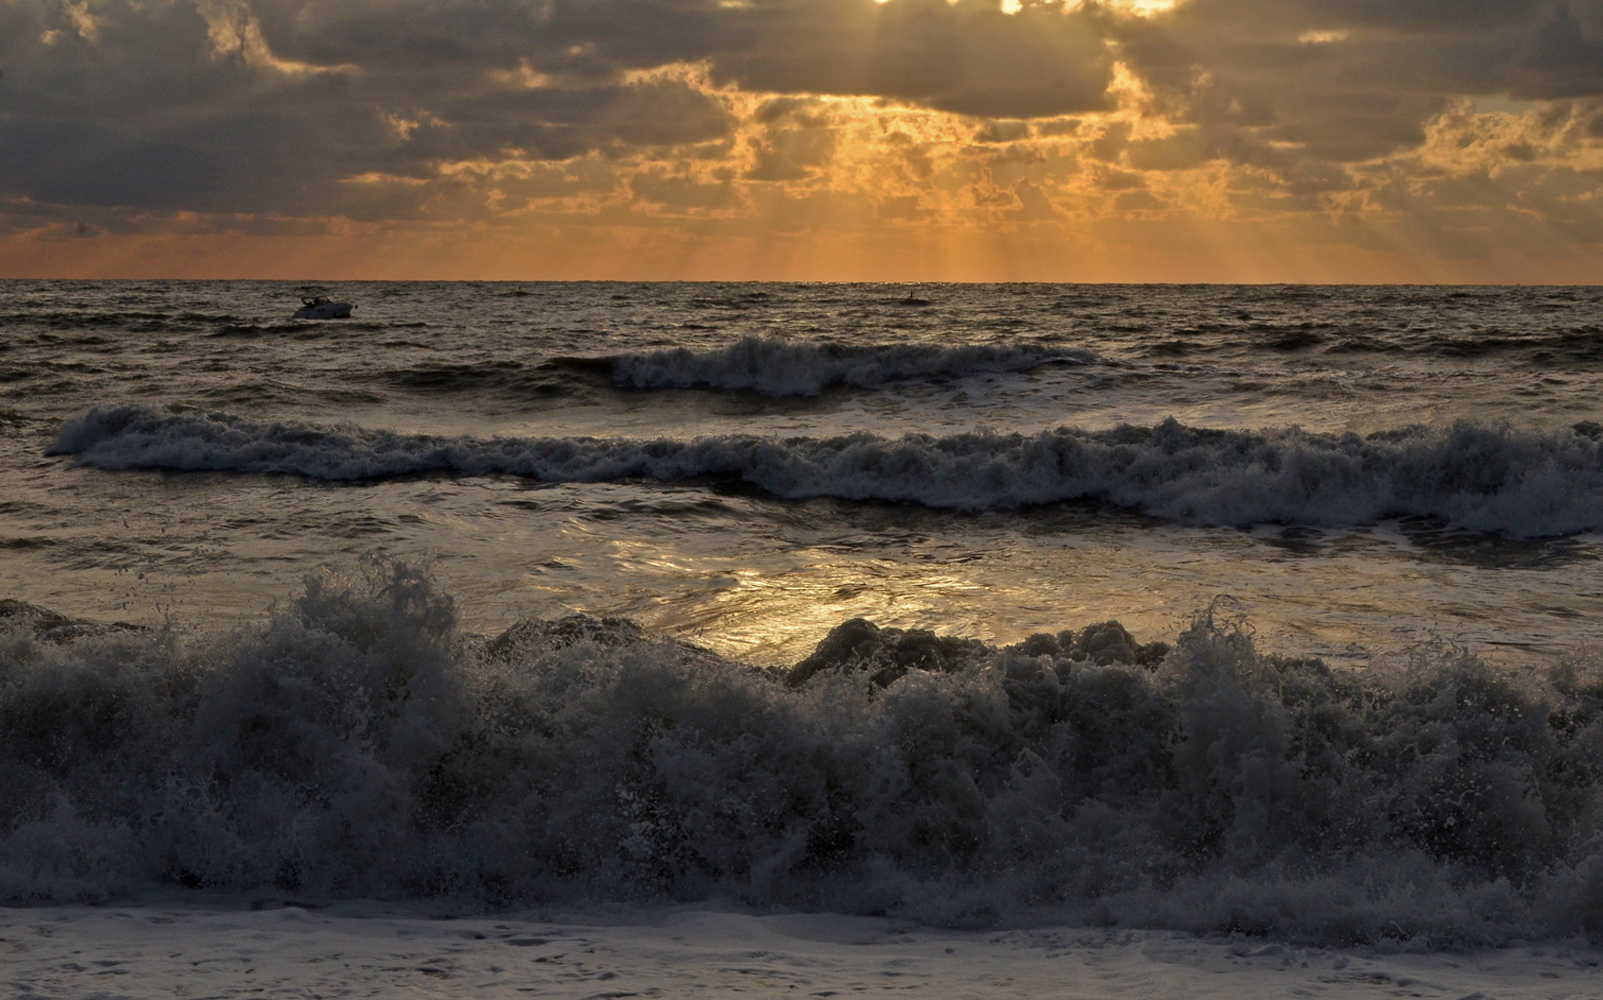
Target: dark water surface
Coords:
[[754, 463], [1404, 482]]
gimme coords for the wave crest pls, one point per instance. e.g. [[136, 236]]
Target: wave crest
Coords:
[[1475, 476], [776, 367], [356, 744]]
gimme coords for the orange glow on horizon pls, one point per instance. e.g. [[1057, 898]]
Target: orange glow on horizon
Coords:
[[845, 188]]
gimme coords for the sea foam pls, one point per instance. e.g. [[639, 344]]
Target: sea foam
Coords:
[[357, 744], [1474, 476]]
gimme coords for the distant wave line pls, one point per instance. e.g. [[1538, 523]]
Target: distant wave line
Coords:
[[775, 367], [1471, 475]]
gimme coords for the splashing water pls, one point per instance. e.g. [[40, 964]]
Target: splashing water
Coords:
[[358, 744]]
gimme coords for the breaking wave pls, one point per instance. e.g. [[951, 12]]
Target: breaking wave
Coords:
[[358, 744], [1473, 476], [775, 367]]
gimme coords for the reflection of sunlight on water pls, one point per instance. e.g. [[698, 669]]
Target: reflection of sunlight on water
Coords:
[[765, 591], [764, 581], [769, 601], [778, 618]]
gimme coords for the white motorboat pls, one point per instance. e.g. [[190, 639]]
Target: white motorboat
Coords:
[[321, 307]]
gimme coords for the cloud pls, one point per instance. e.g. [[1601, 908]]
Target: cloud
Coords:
[[1431, 117], [1353, 79], [682, 190], [965, 56], [794, 140], [556, 124]]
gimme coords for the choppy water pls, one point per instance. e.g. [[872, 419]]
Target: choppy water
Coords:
[[756, 463], [1413, 474]]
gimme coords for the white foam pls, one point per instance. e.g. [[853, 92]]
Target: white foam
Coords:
[[1476, 476], [356, 745]]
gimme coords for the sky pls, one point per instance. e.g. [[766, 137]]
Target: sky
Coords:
[[904, 140]]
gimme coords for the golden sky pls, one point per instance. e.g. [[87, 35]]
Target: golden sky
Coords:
[[1130, 140]]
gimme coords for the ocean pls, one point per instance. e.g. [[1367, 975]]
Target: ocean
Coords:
[[1263, 610]]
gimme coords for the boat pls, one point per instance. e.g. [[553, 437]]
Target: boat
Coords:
[[322, 307]]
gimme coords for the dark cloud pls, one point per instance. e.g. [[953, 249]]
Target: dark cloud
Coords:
[[307, 107], [966, 56], [681, 191], [1349, 80], [1561, 60], [551, 123], [796, 140], [205, 107]]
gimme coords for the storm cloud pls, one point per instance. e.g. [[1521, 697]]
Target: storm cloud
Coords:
[[440, 109]]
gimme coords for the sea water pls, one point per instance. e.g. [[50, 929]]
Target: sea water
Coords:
[[798, 595]]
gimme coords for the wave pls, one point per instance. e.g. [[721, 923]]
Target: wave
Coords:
[[510, 379], [1581, 344], [1472, 476], [775, 367], [358, 744], [144, 321], [1572, 345]]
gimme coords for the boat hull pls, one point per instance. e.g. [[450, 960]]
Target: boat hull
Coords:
[[325, 310]]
